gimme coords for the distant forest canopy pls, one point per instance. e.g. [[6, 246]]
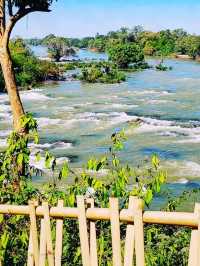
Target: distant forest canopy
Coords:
[[162, 43]]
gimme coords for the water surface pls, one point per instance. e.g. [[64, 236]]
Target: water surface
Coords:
[[77, 119]]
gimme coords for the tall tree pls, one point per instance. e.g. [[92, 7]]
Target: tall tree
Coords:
[[11, 11]]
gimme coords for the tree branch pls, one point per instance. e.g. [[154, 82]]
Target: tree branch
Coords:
[[13, 20], [2, 17], [10, 11]]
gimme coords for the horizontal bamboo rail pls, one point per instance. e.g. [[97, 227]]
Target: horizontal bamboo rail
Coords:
[[149, 217], [42, 250]]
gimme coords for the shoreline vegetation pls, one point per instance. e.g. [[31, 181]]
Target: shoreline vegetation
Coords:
[[29, 70], [177, 43], [164, 245], [127, 50]]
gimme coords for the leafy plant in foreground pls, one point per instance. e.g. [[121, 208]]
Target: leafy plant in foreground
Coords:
[[116, 179]]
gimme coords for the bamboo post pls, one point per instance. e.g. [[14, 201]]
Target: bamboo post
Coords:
[[59, 238], [43, 244], [115, 231], [194, 252], [83, 231], [30, 261], [93, 240], [34, 234], [50, 255], [139, 232], [130, 238]]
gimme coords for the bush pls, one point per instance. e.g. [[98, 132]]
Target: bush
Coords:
[[164, 245], [16, 188], [162, 67], [102, 73], [124, 54]]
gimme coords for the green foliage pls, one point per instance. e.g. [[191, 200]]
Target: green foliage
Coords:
[[164, 245], [98, 43], [102, 72], [189, 44], [162, 43], [14, 163], [58, 47], [162, 67], [39, 4], [29, 70], [125, 54]]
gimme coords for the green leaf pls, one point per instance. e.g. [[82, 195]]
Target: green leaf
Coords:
[[36, 138], [115, 162], [38, 156], [155, 161], [20, 159], [148, 196], [48, 159], [65, 170], [162, 177]]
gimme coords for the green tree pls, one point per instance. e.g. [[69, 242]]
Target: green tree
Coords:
[[124, 54], [98, 43], [58, 47], [165, 44], [189, 45]]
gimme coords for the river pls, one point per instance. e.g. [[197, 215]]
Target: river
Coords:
[[77, 119]]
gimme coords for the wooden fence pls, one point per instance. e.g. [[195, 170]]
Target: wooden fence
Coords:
[[40, 250]]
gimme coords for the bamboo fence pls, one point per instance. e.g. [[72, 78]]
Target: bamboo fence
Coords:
[[41, 250]]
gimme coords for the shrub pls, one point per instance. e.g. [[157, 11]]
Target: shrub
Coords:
[[124, 54], [102, 73], [164, 245], [162, 67]]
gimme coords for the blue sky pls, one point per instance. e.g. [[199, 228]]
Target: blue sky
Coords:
[[77, 18]]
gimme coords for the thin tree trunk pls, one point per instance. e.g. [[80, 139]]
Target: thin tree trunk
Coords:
[[10, 82]]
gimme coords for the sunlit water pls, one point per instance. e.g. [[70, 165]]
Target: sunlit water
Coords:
[[77, 119]]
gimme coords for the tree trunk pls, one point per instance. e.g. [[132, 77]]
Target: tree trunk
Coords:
[[10, 82]]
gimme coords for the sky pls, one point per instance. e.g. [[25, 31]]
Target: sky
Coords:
[[79, 18]]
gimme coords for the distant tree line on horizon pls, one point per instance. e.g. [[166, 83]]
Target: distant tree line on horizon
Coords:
[[162, 43]]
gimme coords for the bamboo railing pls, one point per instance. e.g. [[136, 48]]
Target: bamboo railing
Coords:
[[41, 251]]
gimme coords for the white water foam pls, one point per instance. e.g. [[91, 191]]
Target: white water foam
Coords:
[[34, 96], [4, 108], [157, 101], [184, 169], [147, 92], [181, 181], [45, 121], [122, 106], [4, 133], [41, 163], [55, 145], [169, 129], [3, 143]]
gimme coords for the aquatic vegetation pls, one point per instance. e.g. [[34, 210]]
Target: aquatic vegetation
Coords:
[[162, 67], [125, 54], [102, 73]]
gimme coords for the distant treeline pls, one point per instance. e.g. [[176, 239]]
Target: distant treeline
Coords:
[[162, 43]]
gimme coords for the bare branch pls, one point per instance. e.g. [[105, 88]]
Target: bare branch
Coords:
[[2, 17], [10, 10], [13, 20]]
